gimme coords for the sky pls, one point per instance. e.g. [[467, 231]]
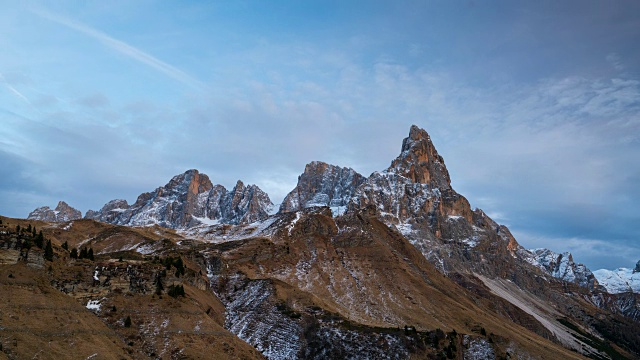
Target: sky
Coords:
[[534, 105]]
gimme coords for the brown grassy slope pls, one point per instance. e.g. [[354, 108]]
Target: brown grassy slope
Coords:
[[104, 237], [371, 275], [41, 322], [36, 314]]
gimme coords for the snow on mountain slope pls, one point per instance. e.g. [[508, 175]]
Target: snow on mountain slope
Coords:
[[620, 280], [188, 200], [322, 184], [561, 266]]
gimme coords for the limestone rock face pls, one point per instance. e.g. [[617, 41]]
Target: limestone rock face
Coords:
[[63, 212], [419, 161], [189, 199], [414, 196], [322, 184], [109, 212], [562, 266], [243, 205]]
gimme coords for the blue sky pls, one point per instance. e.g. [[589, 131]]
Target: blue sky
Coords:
[[535, 106]]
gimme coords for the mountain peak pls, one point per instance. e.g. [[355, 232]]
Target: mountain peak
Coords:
[[322, 184], [188, 199], [420, 161], [63, 212]]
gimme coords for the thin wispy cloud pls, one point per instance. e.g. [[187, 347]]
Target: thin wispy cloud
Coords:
[[123, 48], [13, 90]]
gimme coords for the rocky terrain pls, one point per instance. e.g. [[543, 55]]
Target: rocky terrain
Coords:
[[562, 266], [187, 200], [322, 184], [62, 212], [393, 266]]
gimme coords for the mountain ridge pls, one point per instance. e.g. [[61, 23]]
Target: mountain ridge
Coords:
[[404, 224]]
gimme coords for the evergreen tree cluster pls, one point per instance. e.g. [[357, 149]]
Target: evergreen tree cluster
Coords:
[[175, 262], [39, 240], [84, 254], [48, 251], [175, 291]]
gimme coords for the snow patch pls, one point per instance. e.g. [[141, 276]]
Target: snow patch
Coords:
[[618, 281], [94, 305], [293, 223], [207, 221]]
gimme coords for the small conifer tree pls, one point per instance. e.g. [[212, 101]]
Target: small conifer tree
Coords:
[[159, 286], [83, 253], [176, 290], [90, 254], [127, 322], [65, 246], [48, 251], [39, 240], [74, 253]]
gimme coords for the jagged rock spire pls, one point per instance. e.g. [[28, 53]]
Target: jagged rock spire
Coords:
[[420, 161]]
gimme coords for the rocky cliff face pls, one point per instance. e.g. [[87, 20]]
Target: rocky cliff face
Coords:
[[420, 162], [414, 195], [322, 184], [189, 199], [562, 266], [63, 212], [109, 212]]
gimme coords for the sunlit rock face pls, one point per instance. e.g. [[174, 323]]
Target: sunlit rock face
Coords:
[[189, 199]]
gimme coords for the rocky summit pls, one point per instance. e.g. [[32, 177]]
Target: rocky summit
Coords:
[[322, 184], [396, 265], [188, 200], [62, 212]]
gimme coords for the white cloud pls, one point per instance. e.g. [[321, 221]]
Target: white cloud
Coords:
[[123, 48]]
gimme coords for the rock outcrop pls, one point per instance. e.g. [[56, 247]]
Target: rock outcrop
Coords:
[[322, 184], [109, 212], [415, 196], [562, 266], [420, 162], [63, 212], [189, 199]]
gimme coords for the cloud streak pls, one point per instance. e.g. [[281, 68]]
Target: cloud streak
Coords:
[[13, 90], [123, 48]]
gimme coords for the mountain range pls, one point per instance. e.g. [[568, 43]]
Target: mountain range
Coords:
[[393, 265]]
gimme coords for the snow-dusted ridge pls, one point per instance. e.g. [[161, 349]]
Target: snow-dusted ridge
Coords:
[[189, 200], [621, 280], [561, 266]]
